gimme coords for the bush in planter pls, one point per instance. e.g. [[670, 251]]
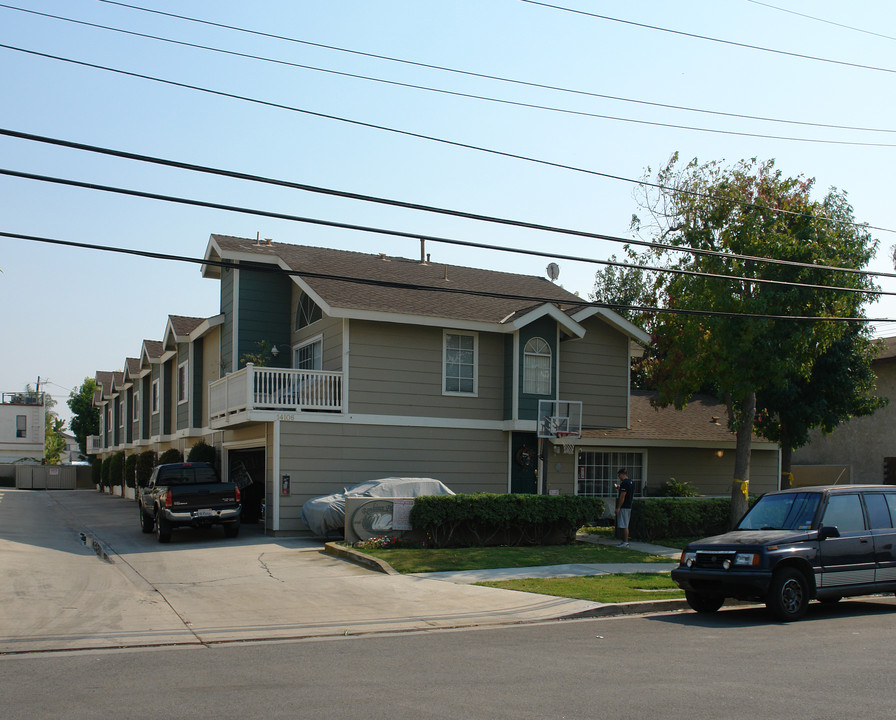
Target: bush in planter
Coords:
[[96, 469], [171, 455], [104, 472], [116, 469], [677, 488], [146, 461], [130, 470], [203, 452]]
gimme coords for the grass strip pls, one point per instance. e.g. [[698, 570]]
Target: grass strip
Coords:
[[416, 560], [598, 588]]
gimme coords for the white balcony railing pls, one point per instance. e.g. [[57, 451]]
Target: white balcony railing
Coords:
[[94, 444], [261, 388]]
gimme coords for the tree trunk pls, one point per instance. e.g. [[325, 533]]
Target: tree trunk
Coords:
[[786, 458], [744, 415]]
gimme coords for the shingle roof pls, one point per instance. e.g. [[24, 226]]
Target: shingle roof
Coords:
[[154, 348], [425, 277], [703, 419], [183, 325]]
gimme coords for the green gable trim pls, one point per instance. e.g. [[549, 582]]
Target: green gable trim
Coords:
[[264, 307], [545, 328]]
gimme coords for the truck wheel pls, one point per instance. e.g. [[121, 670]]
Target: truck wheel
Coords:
[[163, 528], [146, 522], [788, 595], [232, 529], [703, 604]]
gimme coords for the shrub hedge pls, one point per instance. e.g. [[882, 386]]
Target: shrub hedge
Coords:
[[655, 518], [482, 519], [116, 469], [146, 461], [130, 470], [171, 455], [203, 452]]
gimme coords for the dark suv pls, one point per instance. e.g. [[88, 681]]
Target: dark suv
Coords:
[[814, 542]]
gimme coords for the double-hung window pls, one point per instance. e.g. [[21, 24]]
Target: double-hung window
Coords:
[[459, 363], [537, 367], [21, 426], [182, 382], [154, 405], [308, 356]]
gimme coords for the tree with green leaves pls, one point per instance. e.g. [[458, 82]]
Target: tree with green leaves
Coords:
[[623, 288], [840, 386], [732, 312], [85, 416]]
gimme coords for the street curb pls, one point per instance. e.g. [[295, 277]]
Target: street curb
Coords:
[[346, 553], [631, 608]]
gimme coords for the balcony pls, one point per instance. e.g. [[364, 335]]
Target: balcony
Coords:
[[94, 444], [257, 388]]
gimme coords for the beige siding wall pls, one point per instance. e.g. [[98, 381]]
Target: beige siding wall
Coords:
[[397, 370], [211, 365], [702, 467], [325, 458], [330, 328], [595, 370], [862, 443]]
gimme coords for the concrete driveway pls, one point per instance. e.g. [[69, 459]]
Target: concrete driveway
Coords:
[[78, 573]]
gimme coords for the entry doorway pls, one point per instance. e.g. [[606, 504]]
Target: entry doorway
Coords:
[[246, 469], [524, 463]]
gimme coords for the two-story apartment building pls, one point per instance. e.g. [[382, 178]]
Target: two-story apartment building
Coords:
[[375, 366], [22, 427]]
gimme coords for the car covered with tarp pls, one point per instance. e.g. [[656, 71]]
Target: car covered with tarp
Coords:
[[325, 515]]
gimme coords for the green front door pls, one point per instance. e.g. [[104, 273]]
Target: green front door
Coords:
[[524, 463]]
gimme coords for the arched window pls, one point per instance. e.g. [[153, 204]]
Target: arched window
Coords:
[[306, 312], [537, 367]]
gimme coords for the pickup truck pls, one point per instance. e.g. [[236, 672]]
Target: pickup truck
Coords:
[[188, 494]]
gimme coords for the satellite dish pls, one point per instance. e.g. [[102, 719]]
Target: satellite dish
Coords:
[[553, 271]]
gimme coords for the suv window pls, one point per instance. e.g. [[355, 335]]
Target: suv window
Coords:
[[878, 512], [845, 513], [789, 511]]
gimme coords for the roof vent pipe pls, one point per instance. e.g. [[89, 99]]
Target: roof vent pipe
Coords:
[[422, 251]]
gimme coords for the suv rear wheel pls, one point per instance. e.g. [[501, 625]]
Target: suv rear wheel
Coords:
[[788, 595]]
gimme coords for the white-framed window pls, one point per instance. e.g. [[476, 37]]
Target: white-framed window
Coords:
[[109, 425], [309, 355], [537, 367], [307, 312], [136, 403], [21, 426], [596, 472], [154, 402], [183, 383], [460, 361]]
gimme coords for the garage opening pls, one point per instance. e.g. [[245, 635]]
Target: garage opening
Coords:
[[246, 469]]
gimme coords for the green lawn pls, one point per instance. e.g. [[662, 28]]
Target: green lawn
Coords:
[[599, 588], [414, 560]]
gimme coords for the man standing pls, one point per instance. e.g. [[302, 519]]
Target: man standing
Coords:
[[624, 504]]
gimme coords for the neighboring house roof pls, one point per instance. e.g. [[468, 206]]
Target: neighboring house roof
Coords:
[[888, 350], [703, 421], [152, 349], [401, 286]]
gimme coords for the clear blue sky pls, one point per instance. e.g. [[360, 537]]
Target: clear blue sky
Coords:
[[67, 313]]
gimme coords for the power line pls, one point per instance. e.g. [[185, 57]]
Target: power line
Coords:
[[441, 288], [490, 77], [708, 38], [420, 136], [822, 20], [433, 238]]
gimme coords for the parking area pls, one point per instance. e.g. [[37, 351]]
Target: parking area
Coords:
[[78, 573]]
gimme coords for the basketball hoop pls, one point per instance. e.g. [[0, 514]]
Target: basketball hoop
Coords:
[[568, 441]]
